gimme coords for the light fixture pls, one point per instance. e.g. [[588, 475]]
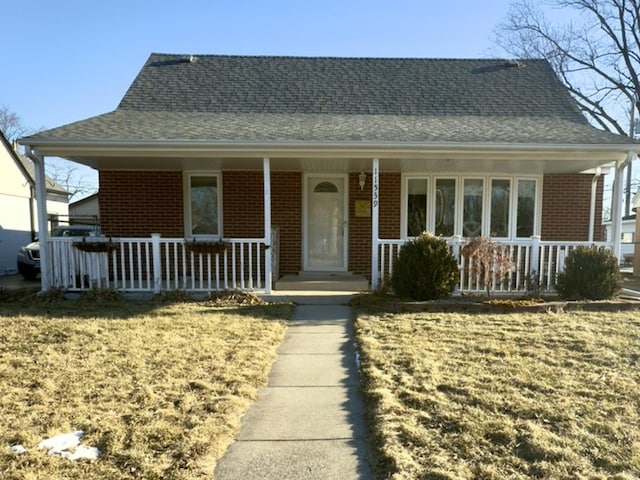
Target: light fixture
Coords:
[[362, 179]]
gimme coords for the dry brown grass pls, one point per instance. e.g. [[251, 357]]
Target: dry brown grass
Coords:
[[515, 396], [158, 388]]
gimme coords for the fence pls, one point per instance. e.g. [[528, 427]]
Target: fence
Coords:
[[155, 264], [536, 264]]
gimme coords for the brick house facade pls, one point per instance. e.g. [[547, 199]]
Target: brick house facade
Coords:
[[458, 147], [159, 195]]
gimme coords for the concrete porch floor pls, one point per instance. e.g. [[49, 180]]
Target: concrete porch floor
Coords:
[[322, 281]]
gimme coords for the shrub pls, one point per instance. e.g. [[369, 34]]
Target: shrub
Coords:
[[492, 261], [591, 273], [425, 269]]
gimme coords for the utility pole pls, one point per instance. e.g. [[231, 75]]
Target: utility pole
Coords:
[[632, 136]]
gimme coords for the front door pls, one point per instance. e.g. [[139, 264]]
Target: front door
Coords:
[[325, 223]]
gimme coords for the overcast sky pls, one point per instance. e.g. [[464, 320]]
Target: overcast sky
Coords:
[[68, 60]]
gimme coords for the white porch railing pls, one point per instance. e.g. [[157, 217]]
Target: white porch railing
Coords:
[[537, 264], [157, 264]]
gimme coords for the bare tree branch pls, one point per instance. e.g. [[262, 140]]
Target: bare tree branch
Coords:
[[11, 124], [596, 55], [69, 177], [66, 174]]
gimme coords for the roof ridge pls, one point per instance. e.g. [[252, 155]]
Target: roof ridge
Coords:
[[350, 58]]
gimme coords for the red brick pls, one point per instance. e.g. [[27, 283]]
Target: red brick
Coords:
[[566, 205], [138, 203]]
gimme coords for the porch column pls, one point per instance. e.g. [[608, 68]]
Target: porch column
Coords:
[[375, 197], [41, 201], [592, 211], [268, 272], [616, 206]]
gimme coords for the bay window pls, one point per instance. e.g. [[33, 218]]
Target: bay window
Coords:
[[470, 206]]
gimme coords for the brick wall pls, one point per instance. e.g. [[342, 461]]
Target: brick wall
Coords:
[[360, 227], [243, 204], [566, 204], [286, 215], [139, 203]]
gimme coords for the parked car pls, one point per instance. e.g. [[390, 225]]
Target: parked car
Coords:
[[29, 255]]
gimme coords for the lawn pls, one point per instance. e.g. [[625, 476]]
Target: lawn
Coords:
[[158, 388], [505, 396]]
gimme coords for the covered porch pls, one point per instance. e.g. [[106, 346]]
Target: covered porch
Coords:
[[159, 263]]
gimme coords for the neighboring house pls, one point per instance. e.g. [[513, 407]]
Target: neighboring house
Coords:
[[85, 211], [18, 206], [627, 238], [330, 164]]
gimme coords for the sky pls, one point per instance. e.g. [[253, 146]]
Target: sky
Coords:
[[68, 60]]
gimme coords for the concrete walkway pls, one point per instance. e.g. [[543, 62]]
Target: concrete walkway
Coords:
[[308, 422]]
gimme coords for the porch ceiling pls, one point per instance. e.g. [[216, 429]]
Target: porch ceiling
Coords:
[[510, 159]]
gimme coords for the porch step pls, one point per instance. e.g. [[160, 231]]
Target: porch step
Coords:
[[323, 282]]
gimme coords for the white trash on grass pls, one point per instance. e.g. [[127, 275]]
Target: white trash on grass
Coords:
[[82, 452], [62, 442], [18, 449]]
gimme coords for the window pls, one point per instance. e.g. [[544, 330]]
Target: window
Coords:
[[472, 207], [416, 206], [500, 203], [325, 187], [526, 208], [445, 206], [203, 205]]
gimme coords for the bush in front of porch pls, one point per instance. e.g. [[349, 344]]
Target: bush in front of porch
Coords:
[[590, 273], [425, 269]]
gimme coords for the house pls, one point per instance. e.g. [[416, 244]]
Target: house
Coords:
[[18, 206], [300, 165], [85, 211], [627, 238]]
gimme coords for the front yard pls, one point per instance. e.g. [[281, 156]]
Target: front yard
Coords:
[[505, 396], [158, 388]]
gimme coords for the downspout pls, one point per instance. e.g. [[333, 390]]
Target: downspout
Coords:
[[41, 201], [592, 211], [32, 212], [616, 208]]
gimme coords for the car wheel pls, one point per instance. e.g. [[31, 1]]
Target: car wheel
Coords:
[[29, 275]]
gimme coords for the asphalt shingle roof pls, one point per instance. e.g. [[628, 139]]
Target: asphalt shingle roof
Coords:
[[299, 99]]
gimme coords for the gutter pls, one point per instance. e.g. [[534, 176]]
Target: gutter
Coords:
[[61, 147]]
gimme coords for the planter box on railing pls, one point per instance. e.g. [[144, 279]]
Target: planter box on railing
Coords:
[[206, 247], [95, 245]]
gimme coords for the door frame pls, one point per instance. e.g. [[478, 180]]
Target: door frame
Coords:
[[344, 177]]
